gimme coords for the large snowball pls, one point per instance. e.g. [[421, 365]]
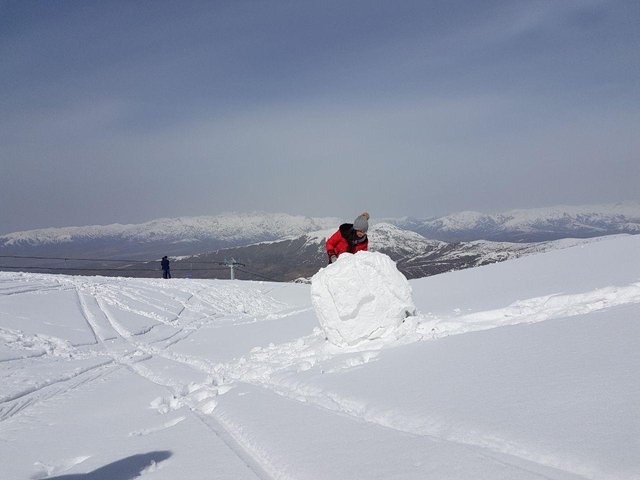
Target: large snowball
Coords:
[[361, 297]]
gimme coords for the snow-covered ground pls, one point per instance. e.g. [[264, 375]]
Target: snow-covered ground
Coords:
[[526, 369]]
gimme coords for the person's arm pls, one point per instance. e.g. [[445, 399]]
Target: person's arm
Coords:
[[333, 246]]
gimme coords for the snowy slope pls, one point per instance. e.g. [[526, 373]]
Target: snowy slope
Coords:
[[519, 370]]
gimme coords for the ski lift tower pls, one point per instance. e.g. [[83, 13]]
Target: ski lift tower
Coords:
[[231, 264]]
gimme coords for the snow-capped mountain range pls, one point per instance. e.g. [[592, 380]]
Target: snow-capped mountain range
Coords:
[[226, 230], [532, 225], [285, 247], [233, 229]]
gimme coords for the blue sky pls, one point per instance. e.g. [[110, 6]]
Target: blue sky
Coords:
[[117, 111]]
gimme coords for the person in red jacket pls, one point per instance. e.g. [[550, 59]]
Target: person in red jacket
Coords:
[[350, 237]]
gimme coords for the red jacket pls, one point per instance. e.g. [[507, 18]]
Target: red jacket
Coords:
[[346, 240]]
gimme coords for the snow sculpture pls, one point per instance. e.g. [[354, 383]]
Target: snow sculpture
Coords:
[[361, 297]]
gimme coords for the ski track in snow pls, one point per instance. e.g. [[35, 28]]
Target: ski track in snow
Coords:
[[182, 312], [14, 404], [200, 404], [304, 355], [267, 367]]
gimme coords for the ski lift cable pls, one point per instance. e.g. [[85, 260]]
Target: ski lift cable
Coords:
[[29, 257]]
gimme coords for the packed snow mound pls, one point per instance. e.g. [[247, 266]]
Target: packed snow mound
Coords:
[[361, 297]]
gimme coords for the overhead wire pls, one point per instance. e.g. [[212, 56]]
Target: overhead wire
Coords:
[[28, 257], [100, 269], [258, 275], [125, 268]]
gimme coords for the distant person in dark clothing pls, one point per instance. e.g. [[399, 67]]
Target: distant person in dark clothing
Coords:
[[166, 273]]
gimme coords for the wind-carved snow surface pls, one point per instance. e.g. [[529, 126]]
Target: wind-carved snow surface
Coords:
[[522, 370], [361, 297]]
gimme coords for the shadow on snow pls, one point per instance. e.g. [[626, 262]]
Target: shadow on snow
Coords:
[[125, 469]]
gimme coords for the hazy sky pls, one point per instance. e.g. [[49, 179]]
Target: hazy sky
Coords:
[[125, 111]]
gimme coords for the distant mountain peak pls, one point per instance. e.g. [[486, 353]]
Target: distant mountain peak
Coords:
[[530, 225], [228, 227], [200, 234]]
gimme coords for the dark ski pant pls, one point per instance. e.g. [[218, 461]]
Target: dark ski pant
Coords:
[[166, 273]]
